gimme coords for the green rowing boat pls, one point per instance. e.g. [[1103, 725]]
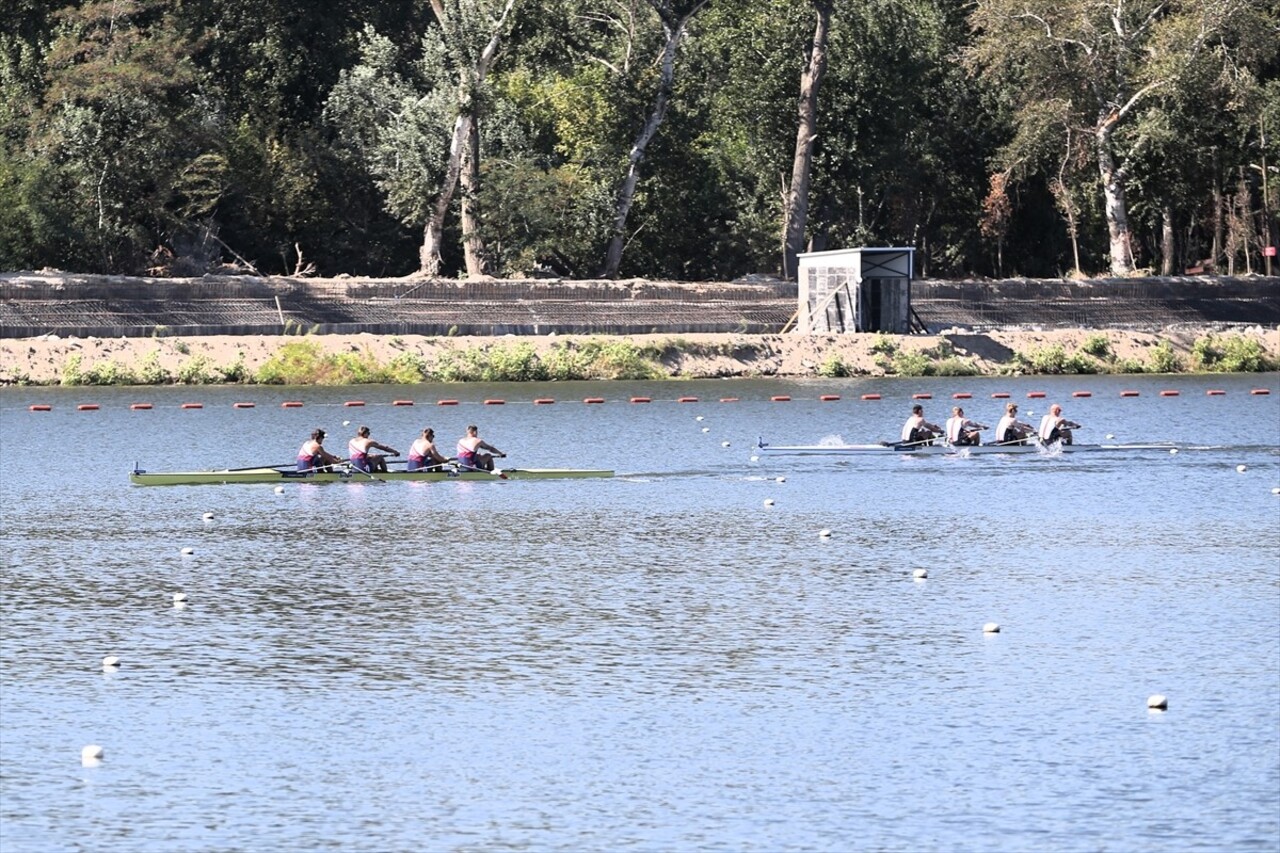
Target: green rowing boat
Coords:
[[347, 475]]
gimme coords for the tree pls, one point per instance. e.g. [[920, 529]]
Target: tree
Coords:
[[414, 125], [1108, 62], [796, 214], [674, 16]]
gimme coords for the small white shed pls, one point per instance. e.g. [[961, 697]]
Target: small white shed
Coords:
[[856, 290]]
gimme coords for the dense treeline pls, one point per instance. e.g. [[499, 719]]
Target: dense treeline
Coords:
[[687, 139]]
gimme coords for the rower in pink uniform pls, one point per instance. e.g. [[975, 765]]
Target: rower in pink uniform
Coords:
[[469, 455]]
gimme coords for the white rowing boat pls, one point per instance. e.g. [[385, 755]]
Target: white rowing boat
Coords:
[[940, 449]]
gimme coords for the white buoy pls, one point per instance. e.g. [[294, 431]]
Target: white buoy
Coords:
[[279, 490], [208, 516], [1173, 451], [768, 501], [90, 755], [179, 597], [110, 662], [188, 551], [698, 418], [724, 444], [1157, 702], [991, 628], [348, 423], [1110, 436], [1240, 469], [706, 429], [824, 534], [780, 479], [755, 458], [920, 574], [1276, 490]]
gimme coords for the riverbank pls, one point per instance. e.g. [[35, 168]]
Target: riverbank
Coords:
[[347, 359]]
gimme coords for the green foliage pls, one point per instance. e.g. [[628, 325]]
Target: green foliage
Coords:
[[1164, 359], [294, 363], [197, 370], [236, 372], [151, 372], [954, 366], [884, 345], [182, 347], [1230, 354], [834, 367], [1097, 345], [906, 363], [72, 372]]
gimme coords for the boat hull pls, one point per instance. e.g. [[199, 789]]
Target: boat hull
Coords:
[[946, 450], [277, 476]]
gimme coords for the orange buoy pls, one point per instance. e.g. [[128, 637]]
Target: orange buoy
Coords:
[[871, 396], [687, 400], [641, 400], [402, 402], [87, 407], [921, 396], [192, 406], [1215, 392], [1035, 395], [351, 403], [139, 407], [291, 404], [593, 400], [1000, 395], [495, 402], [242, 405], [446, 402], [962, 395], [543, 401], [40, 407], [1081, 393], [1128, 393], [829, 398], [1260, 392], [1170, 393], [781, 398], [728, 399]]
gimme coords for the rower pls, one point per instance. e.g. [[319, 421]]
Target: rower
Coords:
[[312, 456], [1054, 427], [423, 455], [361, 459], [917, 430], [469, 455], [1010, 430], [962, 432]]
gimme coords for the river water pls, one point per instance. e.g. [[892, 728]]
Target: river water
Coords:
[[653, 662]]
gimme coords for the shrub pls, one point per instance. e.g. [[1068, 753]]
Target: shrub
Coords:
[[151, 372], [1097, 345], [71, 370], [1164, 359], [196, 371], [107, 373], [1049, 359], [1129, 365], [407, 368], [911, 364], [1078, 362], [834, 367], [236, 371], [884, 345], [182, 347], [1233, 354], [955, 366], [295, 363]]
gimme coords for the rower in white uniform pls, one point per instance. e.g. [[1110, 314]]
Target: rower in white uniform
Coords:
[[917, 430], [1010, 430], [1054, 427], [962, 432]]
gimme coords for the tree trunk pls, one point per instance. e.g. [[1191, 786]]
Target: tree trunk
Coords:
[[429, 254], [464, 129], [1166, 240], [796, 215], [1219, 238], [1116, 210], [472, 240], [673, 28]]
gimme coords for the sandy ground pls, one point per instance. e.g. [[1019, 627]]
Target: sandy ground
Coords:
[[41, 360]]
